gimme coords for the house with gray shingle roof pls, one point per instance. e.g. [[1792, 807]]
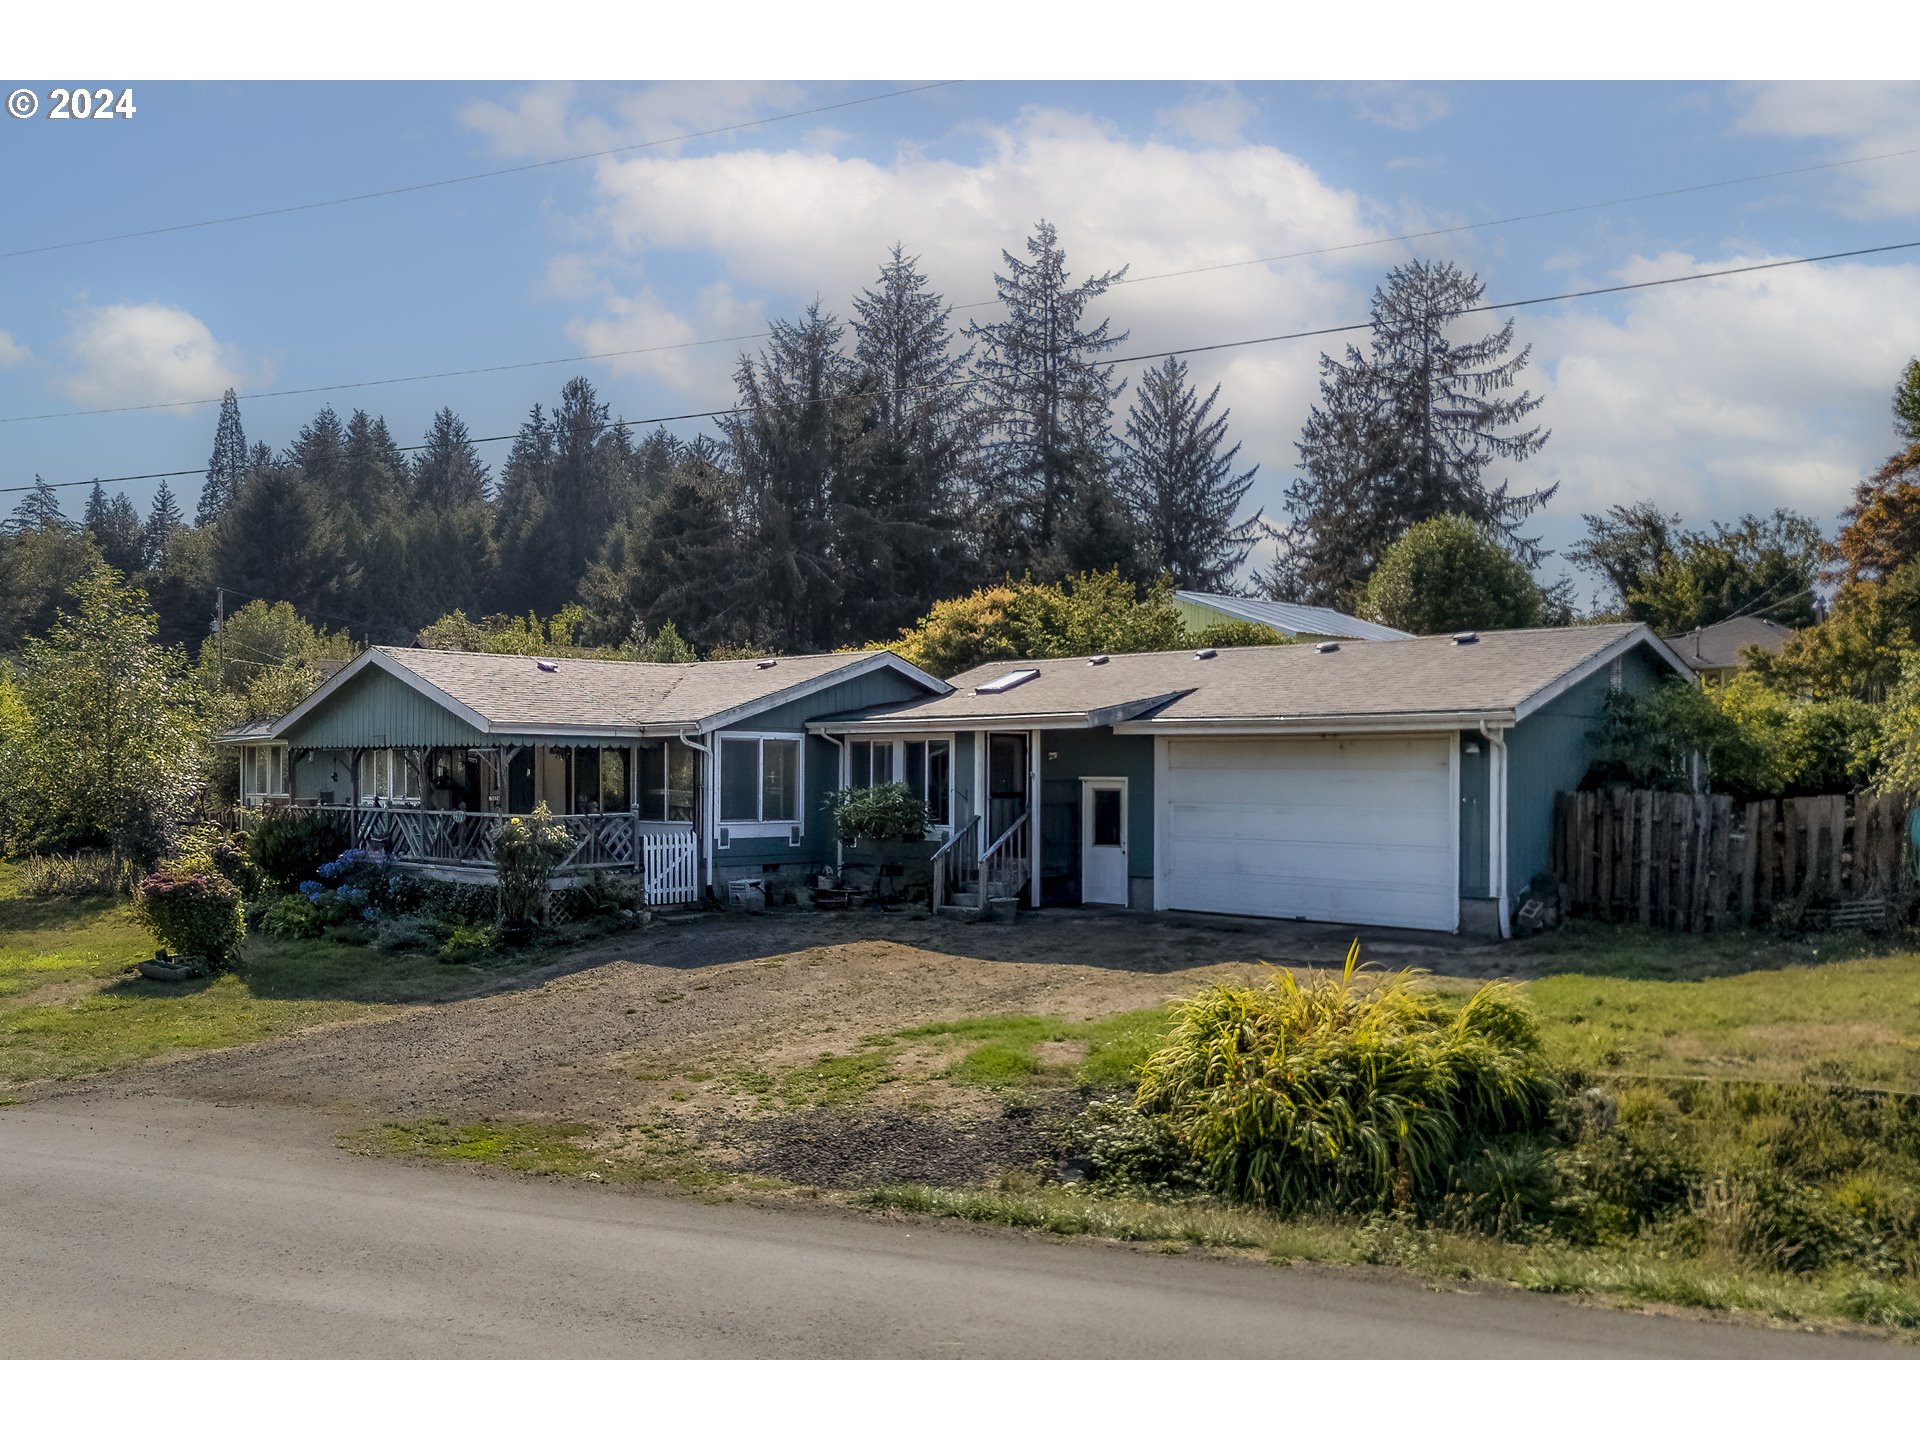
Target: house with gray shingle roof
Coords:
[[1406, 783]]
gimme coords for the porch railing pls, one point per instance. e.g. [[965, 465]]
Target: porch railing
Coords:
[[1004, 867], [665, 853], [956, 862]]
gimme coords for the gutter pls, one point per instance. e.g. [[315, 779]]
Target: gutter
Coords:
[[1390, 723]]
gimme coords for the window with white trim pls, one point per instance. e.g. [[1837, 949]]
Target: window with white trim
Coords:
[[760, 779], [263, 772], [923, 764], [390, 775]]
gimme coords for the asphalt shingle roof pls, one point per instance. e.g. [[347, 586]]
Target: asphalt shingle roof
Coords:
[[1428, 675], [513, 690], [1719, 647], [1291, 619]]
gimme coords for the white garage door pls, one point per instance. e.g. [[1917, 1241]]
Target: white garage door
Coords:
[[1359, 830]]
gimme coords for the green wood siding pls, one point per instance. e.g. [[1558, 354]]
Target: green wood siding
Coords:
[[1550, 751], [1474, 816], [1082, 753], [375, 708]]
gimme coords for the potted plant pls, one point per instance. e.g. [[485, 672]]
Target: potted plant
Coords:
[[890, 818]]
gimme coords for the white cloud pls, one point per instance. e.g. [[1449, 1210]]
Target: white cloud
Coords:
[[547, 120], [1723, 396], [1396, 105], [144, 355], [667, 340], [1217, 115], [12, 352], [1861, 118]]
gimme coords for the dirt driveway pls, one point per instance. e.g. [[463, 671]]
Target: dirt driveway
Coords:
[[749, 1042]]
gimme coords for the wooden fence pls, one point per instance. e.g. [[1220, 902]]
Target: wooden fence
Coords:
[[1701, 862]]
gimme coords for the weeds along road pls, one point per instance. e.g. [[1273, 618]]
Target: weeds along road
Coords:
[[151, 1227]]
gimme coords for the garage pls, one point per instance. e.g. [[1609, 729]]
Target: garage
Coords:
[[1360, 829]]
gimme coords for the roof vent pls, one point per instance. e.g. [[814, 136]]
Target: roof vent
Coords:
[[765, 664], [1096, 660], [1466, 637], [548, 666], [1005, 682], [1206, 654], [1327, 647]]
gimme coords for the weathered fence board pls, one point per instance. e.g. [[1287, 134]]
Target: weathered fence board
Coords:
[[1699, 863]]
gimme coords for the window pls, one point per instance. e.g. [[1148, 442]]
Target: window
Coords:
[[759, 780], [390, 775], [1106, 817], [925, 767]]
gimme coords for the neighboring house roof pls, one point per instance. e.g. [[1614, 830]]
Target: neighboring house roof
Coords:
[[1720, 647], [528, 694], [1499, 676], [1293, 619]]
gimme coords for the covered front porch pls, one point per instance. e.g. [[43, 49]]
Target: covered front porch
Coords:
[[629, 808]]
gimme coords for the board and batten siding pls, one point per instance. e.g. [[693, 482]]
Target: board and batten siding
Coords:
[[1551, 750], [375, 708]]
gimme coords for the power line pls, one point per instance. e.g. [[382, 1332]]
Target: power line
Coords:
[[970, 305], [1317, 333], [477, 175]]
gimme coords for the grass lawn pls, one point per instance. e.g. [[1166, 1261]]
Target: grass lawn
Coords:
[[68, 1008]]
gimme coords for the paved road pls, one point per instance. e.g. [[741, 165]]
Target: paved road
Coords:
[[169, 1228]]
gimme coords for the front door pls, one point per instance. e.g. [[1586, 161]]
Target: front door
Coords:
[[1103, 842], [1006, 782]]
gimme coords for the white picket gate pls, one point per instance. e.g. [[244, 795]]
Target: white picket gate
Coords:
[[669, 864]]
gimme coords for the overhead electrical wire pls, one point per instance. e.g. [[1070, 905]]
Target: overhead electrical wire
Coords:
[[970, 305], [1317, 333], [476, 175]]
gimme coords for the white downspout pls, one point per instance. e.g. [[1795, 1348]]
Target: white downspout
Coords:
[[708, 809], [1497, 822]]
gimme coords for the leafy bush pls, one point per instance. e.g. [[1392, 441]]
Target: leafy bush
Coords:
[[1340, 1094], [601, 894], [292, 846], [213, 847], [455, 903], [887, 813], [409, 932], [292, 917], [89, 872], [466, 942], [1504, 1188], [193, 914], [528, 849]]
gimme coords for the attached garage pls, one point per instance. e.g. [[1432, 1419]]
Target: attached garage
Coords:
[[1359, 829]]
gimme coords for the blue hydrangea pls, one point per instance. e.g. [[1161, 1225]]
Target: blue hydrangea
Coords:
[[353, 894], [371, 914], [312, 890]]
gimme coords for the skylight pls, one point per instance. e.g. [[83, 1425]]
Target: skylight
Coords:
[[1006, 682], [548, 666]]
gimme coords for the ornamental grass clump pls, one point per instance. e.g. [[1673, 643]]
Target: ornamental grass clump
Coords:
[[1340, 1093]]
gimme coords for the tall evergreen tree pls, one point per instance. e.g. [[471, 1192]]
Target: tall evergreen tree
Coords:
[[447, 474], [372, 483], [156, 536], [1047, 404], [320, 451], [1404, 432], [115, 527], [903, 540], [279, 541], [568, 479], [228, 464], [795, 445], [1183, 484], [39, 509]]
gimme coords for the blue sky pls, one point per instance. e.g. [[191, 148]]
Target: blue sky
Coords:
[[1713, 397]]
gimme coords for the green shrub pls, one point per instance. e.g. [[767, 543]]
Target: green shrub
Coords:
[[1124, 1148], [466, 942], [87, 872], [409, 932], [191, 914], [1338, 1094], [885, 813], [528, 849], [291, 846], [602, 894], [1503, 1188], [292, 918], [456, 903]]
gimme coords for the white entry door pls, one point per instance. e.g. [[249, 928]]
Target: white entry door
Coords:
[[1103, 842]]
